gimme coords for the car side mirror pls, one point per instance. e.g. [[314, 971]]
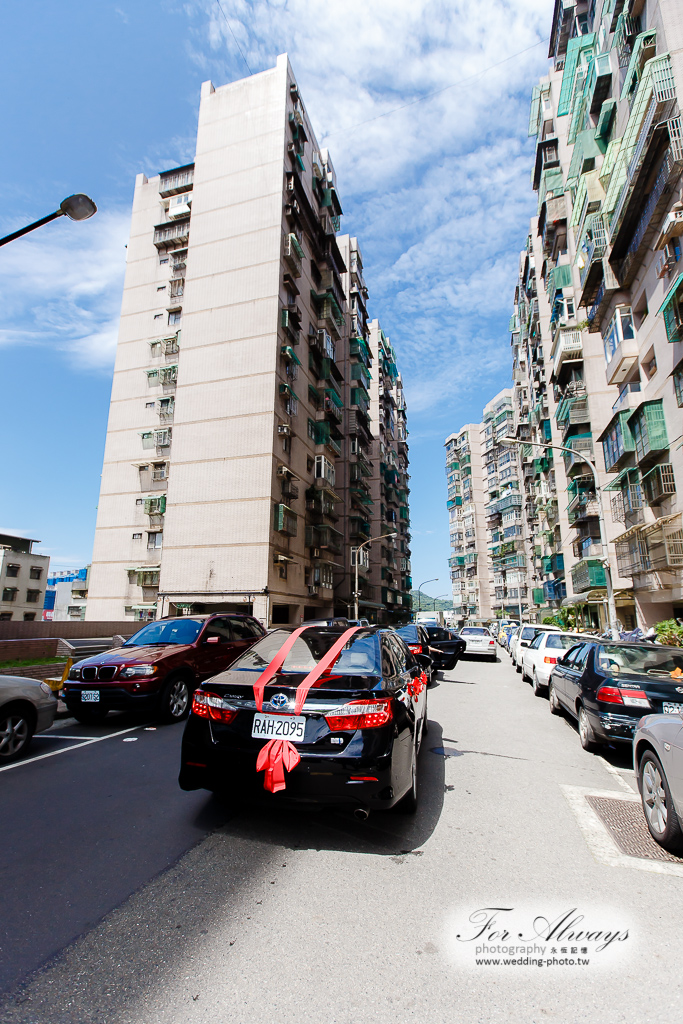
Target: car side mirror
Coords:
[[212, 640]]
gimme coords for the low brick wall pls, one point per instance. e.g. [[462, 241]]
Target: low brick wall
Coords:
[[20, 650], [66, 630], [53, 671]]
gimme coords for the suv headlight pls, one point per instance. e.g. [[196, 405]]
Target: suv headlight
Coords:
[[75, 672], [137, 671]]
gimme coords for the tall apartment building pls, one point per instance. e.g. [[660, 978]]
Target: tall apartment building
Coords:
[[467, 499], [239, 408], [597, 330], [23, 577]]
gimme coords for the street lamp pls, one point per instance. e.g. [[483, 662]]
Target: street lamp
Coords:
[[77, 207], [435, 599], [370, 540], [419, 596], [611, 605]]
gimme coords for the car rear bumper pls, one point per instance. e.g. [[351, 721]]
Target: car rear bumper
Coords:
[[112, 698], [315, 781], [614, 728]]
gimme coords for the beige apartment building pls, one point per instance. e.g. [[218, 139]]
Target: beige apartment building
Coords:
[[239, 408], [467, 499], [23, 577]]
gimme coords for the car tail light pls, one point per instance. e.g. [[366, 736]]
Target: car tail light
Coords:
[[609, 695], [210, 705], [415, 648], [492, 643], [359, 714], [550, 661]]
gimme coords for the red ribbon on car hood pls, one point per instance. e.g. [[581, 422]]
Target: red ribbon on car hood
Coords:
[[277, 755]]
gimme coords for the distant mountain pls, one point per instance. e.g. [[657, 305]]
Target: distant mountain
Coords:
[[428, 604]]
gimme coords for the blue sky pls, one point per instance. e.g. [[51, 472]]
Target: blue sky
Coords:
[[437, 192]]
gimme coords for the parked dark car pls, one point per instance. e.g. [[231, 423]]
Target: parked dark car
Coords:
[[415, 636], [158, 668], [357, 735], [445, 646], [608, 687]]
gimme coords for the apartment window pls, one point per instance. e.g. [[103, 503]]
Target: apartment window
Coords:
[[148, 439], [324, 470], [159, 471], [282, 570], [139, 501], [154, 541], [32, 596], [29, 616], [12, 570], [137, 536], [149, 405], [161, 288], [678, 385], [9, 594], [162, 260], [158, 316], [174, 316], [311, 429], [620, 329], [5, 616], [35, 572]]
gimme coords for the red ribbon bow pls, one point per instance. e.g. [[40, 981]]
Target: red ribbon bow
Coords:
[[415, 686], [274, 758], [277, 755]]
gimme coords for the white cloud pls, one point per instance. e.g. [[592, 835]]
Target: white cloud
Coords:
[[437, 192], [63, 288]]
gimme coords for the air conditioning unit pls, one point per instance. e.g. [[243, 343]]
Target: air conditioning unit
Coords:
[[672, 226], [315, 552], [283, 471], [284, 428], [312, 591]]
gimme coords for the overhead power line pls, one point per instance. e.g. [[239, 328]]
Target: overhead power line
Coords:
[[227, 22], [437, 92]]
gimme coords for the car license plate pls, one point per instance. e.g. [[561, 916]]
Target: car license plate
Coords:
[[90, 696], [279, 727], [672, 709]]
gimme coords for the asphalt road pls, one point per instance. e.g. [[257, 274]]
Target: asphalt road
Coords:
[[289, 917]]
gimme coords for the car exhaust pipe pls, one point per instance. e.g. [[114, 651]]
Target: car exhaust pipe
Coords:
[[361, 813]]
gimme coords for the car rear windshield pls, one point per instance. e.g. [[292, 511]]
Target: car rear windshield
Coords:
[[560, 642], [474, 631], [360, 656], [437, 633], [528, 632], [169, 631], [625, 662], [409, 634]]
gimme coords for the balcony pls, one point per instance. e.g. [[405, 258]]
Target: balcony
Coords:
[[587, 574], [648, 427], [627, 502], [581, 447], [293, 254], [567, 347], [599, 82], [174, 182], [172, 236], [628, 397], [659, 483], [285, 520]]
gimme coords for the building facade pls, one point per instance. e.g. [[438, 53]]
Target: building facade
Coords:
[[66, 597], [467, 500], [23, 577], [240, 401], [597, 328]]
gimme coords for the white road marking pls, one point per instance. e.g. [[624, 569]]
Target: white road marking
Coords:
[[614, 772], [598, 839], [64, 750], [57, 736]]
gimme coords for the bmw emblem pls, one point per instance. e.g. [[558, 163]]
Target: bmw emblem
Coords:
[[280, 700]]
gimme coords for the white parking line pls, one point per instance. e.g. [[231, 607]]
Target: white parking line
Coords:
[[57, 736], [64, 750]]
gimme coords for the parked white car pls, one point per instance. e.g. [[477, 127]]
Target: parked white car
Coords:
[[479, 641], [521, 640], [541, 655]]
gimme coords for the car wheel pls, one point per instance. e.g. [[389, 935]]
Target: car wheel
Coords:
[[175, 699], [660, 813], [518, 668], [586, 734], [16, 732], [555, 707], [539, 689], [408, 804], [525, 677], [90, 716]]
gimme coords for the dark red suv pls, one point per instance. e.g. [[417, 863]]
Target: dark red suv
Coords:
[[159, 667]]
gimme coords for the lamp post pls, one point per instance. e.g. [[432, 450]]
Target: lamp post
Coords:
[[76, 207], [419, 595], [435, 599], [356, 592], [611, 605]]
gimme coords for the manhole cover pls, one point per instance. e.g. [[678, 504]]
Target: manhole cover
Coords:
[[626, 825]]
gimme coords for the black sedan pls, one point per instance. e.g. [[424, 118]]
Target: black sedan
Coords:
[[350, 736], [415, 636], [609, 687], [445, 647]]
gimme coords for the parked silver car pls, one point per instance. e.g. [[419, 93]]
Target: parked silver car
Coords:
[[658, 763], [27, 706]]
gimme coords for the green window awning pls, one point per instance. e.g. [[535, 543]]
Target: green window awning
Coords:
[[289, 353], [607, 112], [617, 483], [670, 294], [562, 276], [332, 394], [285, 389]]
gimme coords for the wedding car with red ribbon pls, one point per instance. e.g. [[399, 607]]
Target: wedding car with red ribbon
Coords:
[[319, 715]]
